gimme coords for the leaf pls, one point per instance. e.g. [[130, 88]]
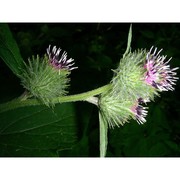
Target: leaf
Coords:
[[9, 51], [83, 147], [128, 49], [37, 130], [103, 135]]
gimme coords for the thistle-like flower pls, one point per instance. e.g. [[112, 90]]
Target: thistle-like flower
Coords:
[[158, 72], [41, 78], [60, 61], [128, 78], [118, 110]]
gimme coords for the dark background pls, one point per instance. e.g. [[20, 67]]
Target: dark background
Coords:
[[97, 48]]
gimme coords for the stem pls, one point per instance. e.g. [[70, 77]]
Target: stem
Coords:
[[103, 138], [87, 96], [83, 96]]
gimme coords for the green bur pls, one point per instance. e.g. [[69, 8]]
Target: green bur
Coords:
[[43, 81], [129, 78]]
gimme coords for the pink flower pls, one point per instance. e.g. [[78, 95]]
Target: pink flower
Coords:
[[139, 111], [158, 73], [60, 61]]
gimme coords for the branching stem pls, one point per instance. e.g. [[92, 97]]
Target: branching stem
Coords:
[[86, 96]]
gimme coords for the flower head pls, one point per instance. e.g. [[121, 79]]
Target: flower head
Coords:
[[119, 110], [60, 61], [158, 72], [128, 78], [41, 78]]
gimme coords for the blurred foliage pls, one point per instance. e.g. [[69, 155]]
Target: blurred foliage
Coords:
[[97, 49]]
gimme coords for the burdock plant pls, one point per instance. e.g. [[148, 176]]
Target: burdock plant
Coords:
[[141, 75]]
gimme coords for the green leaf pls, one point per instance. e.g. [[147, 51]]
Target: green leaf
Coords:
[[9, 51], [103, 135], [37, 130], [129, 42]]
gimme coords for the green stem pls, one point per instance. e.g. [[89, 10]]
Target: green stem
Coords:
[[87, 96], [103, 131], [83, 96]]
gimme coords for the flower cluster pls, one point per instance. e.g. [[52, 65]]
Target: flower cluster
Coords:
[[46, 78], [139, 77]]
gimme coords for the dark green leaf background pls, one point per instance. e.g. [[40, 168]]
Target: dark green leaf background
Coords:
[[37, 130], [72, 130]]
